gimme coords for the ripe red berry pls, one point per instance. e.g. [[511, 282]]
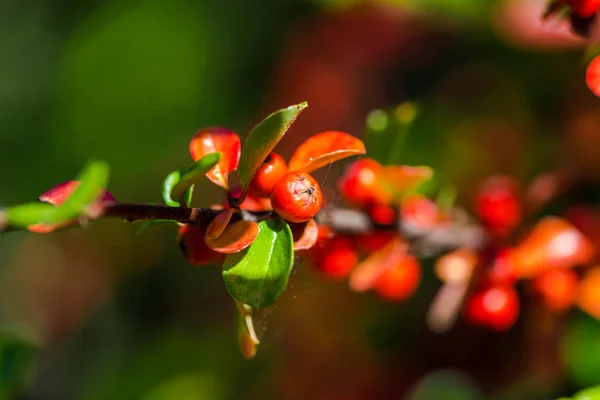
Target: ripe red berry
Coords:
[[193, 247], [584, 8], [498, 205], [375, 240], [401, 281], [382, 214], [495, 307], [558, 288], [502, 269], [297, 197], [268, 174], [592, 76], [336, 257], [359, 185]]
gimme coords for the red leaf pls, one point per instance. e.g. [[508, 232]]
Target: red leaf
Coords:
[[366, 274], [217, 139], [218, 224], [324, 148], [236, 237], [305, 234]]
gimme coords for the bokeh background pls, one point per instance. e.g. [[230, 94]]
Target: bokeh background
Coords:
[[119, 316]]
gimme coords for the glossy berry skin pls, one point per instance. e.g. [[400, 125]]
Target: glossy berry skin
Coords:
[[193, 247], [401, 281], [419, 212], [359, 185], [383, 214], [558, 288], [498, 205], [336, 257], [495, 307], [584, 8], [269, 173], [592, 76], [297, 197]]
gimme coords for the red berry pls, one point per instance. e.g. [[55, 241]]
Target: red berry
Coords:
[[359, 185], [497, 204], [375, 240], [268, 174], [502, 269], [584, 8], [337, 257], [558, 288], [193, 247], [419, 212], [382, 214], [495, 307], [592, 76], [401, 281], [297, 197]]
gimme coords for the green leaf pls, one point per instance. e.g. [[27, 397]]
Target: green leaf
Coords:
[[592, 393], [93, 180], [263, 138], [178, 185], [154, 225], [258, 275], [580, 350], [16, 362]]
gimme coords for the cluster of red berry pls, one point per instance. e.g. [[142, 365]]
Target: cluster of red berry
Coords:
[[582, 14]]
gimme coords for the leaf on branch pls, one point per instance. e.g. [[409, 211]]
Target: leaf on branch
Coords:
[[217, 139], [258, 275], [263, 138], [178, 185], [234, 238], [323, 149], [58, 194], [399, 180], [218, 225], [305, 234]]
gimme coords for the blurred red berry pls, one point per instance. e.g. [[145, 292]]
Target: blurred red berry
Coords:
[[502, 268], [558, 288], [592, 76], [584, 8], [419, 212], [382, 214], [359, 184], [401, 281], [375, 240], [193, 247], [495, 307], [498, 204], [336, 257]]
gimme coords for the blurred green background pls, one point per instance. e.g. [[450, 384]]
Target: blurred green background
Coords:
[[119, 316]]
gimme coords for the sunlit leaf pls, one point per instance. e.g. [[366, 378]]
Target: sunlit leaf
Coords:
[[217, 139], [16, 362], [58, 194], [258, 275], [365, 275], [234, 238], [263, 138], [592, 393], [324, 148], [399, 180], [580, 350]]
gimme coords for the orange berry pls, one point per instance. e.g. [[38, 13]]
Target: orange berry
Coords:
[[297, 197], [337, 257], [268, 174], [495, 307], [382, 214], [401, 281], [558, 288], [588, 298], [592, 76], [193, 247]]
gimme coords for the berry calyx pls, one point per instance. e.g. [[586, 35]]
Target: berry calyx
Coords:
[[495, 307], [297, 197], [401, 281], [268, 174], [193, 247]]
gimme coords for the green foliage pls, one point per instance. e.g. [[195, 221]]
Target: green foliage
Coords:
[[592, 393], [263, 138], [258, 275], [93, 178], [16, 362], [581, 350], [178, 186]]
